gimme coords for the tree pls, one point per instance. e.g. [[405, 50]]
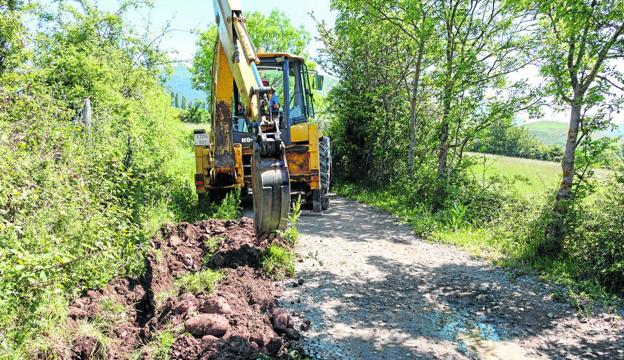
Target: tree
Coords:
[[176, 101], [481, 43], [11, 35], [580, 39], [183, 103], [274, 33]]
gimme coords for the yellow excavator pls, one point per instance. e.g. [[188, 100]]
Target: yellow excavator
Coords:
[[262, 138]]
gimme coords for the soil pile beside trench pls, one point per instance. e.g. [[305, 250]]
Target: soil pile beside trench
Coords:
[[238, 320]]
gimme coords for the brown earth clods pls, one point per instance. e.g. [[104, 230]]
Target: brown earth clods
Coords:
[[239, 320]]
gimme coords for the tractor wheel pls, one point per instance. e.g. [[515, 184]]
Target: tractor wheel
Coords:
[[326, 162]]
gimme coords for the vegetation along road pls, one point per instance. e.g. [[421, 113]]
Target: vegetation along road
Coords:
[[372, 289]]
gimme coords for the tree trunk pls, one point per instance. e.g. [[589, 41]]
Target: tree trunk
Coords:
[[564, 195], [413, 105], [567, 164]]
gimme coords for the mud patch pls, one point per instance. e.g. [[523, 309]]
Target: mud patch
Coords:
[[235, 321]]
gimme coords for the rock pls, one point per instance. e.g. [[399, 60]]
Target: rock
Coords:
[[281, 320], [77, 313], [174, 240], [292, 334], [305, 326], [187, 259], [274, 345], [209, 338], [216, 305], [207, 324], [190, 233], [300, 281], [260, 339]]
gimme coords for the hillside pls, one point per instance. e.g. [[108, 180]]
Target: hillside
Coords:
[[180, 83], [555, 133], [549, 132]]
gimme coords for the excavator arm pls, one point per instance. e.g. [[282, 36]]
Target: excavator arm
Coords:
[[236, 60]]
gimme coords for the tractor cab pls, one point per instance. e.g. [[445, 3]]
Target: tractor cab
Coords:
[[289, 76]]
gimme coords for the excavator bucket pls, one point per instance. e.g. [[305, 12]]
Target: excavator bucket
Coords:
[[271, 193]]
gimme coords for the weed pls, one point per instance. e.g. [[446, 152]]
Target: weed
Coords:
[[291, 234], [456, 216], [229, 208], [201, 281], [158, 348], [278, 262], [213, 243]]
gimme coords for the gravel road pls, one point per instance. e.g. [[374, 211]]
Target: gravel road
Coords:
[[373, 290]]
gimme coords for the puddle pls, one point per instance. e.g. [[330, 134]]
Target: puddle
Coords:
[[466, 332]]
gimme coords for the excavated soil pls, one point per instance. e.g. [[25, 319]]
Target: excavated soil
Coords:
[[239, 320]]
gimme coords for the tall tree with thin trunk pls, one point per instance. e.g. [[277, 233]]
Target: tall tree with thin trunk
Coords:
[[482, 41], [580, 38]]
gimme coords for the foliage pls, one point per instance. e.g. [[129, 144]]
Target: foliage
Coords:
[[195, 113], [291, 234], [157, 348], [597, 244], [273, 33], [508, 139], [228, 208], [11, 35], [384, 104], [578, 42], [202, 281], [78, 200], [278, 262]]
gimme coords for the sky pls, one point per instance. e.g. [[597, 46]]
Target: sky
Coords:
[[189, 16]]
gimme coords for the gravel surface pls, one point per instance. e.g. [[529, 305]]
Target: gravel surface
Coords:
[[370, 289]]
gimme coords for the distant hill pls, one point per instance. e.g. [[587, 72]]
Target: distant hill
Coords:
[[549, 132], [180, 83], [555, 133]]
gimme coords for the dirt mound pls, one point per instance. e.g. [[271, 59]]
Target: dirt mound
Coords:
[[236, 321]]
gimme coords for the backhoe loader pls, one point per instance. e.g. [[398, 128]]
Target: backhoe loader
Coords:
[[262, 137]]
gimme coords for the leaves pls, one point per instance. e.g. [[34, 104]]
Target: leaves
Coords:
[[273, 33]]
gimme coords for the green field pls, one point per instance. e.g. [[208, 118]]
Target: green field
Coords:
[[531, 177]]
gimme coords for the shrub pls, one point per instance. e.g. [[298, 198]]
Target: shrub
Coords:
[[596, 245], [79, 201]]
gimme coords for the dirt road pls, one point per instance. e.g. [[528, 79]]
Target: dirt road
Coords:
[[372, 290]]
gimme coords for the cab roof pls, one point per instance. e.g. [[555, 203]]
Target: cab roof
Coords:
[[269, 55]]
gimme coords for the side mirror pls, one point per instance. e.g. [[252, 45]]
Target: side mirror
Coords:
[[318, 82]]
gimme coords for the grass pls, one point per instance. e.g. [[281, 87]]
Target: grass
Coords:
[[531, 177], [201, 281], [157, 348], [278, 262]]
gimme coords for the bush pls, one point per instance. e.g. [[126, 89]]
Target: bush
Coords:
[[79, 201], [596, 245]]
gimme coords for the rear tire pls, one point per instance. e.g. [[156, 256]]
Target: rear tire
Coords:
[[325, 162]]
